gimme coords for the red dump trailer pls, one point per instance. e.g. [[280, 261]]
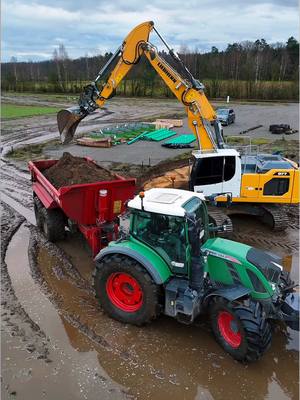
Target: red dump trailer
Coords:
[[91, 207]]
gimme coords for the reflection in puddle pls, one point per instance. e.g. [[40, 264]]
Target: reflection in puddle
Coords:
[[79, 370]]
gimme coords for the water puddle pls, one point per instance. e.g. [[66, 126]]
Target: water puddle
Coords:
[[70, 367]]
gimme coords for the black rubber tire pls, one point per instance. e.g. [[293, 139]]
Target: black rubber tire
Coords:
[[150, 308], [53, 224], [279, 127], [256, 332], [38, 206]]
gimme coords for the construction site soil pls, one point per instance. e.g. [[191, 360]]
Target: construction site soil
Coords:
[[56, 342], [70, 170]]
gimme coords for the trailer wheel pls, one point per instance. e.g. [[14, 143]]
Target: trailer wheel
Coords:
[[38, 206], [241, 329], [125, 290], [53, 224]]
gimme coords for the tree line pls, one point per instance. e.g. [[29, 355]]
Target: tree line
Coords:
[[246, 70]]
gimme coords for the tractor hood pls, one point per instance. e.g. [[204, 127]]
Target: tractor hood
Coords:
[[227, 249], [269, 264]]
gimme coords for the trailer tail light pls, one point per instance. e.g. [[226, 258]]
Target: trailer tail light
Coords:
[[102, 206]]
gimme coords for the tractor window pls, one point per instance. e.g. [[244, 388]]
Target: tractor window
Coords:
[[164, 233]]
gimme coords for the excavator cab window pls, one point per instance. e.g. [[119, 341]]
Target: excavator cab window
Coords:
[[211, 170]]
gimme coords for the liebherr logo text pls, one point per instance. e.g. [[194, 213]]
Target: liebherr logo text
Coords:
[[166, 72]]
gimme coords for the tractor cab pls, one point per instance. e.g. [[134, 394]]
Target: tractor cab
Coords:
[[166, 220]]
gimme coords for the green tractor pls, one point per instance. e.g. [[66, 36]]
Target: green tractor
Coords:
[[170, 263]]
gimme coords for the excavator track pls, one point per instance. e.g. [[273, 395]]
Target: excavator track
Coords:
[[276, 217], [218, 217]]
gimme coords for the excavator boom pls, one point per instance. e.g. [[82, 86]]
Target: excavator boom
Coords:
[[184, 86], [128, 54]]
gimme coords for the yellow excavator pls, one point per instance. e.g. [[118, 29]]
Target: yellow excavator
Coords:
[[259, 184]]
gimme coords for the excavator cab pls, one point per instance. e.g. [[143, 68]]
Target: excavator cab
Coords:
[[218, 172]]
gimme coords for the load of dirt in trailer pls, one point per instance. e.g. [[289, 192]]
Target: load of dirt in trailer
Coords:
[[71, 170]]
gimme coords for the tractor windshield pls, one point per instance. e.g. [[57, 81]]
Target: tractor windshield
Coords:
[[166, 234]]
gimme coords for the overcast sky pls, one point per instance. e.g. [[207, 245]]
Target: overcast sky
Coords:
[[32, 29]]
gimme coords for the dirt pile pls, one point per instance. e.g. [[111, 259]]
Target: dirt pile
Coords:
[[70, 170]]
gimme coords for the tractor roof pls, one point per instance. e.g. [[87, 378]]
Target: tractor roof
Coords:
[[164, 201]]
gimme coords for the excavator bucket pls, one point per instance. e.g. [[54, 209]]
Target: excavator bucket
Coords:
[[67, 121]]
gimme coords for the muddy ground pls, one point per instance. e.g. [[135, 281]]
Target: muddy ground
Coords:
[[57, 343]]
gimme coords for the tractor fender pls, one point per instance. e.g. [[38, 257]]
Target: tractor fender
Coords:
[[155, 274], [229, 293]]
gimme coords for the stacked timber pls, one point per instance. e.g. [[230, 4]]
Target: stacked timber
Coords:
[[174, 122], [91, 142]]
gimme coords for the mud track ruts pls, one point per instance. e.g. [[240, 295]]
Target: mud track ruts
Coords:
[[35, 340]]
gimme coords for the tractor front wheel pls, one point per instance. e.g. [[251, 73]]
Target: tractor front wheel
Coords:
[[125, 290], [240, 328]]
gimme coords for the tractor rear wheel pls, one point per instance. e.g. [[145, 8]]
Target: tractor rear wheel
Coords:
[[125, 290], [240, 328]]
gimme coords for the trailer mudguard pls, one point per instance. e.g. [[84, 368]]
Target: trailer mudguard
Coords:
[[229, 293], [152, 262]]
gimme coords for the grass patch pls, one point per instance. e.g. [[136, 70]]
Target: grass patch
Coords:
[[259, 141], [9, 111], [32, 152], [245, 141]]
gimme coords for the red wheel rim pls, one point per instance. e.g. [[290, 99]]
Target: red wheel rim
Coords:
[[229, 329], [124, 292]]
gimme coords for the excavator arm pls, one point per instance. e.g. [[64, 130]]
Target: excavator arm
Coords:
[[183, 85]]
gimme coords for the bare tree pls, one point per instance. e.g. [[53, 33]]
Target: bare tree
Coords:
[[58, 69], [14, 61]]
